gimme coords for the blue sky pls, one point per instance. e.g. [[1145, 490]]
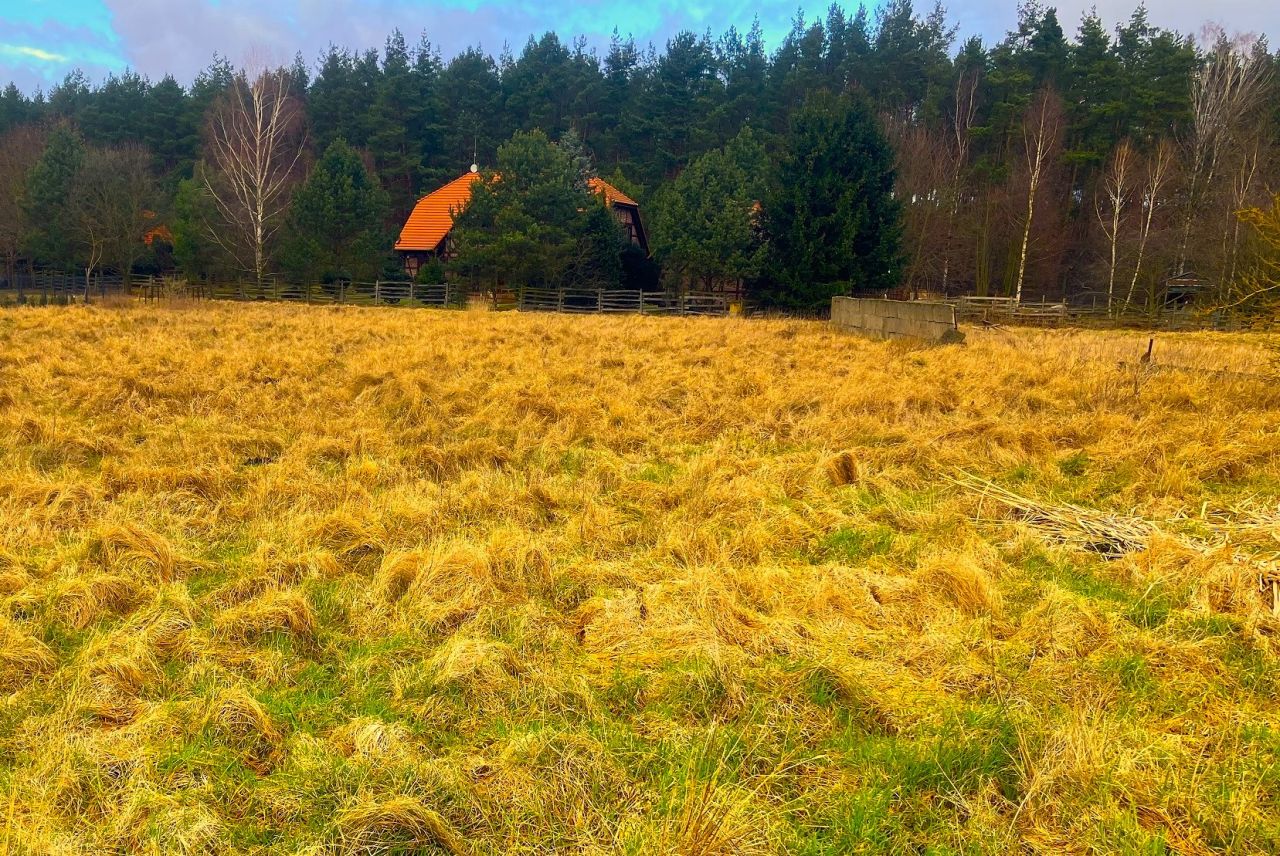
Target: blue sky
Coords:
[[41, 40]]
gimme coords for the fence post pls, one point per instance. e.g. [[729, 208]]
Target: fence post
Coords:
[[411, 291], [560, 299], [599, 300], [377, 292]]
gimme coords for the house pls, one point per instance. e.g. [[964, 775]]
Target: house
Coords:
[[426, 233]]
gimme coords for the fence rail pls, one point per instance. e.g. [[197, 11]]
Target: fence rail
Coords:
[[613, 301], [52, 286], [61, 286], [1006, 310]]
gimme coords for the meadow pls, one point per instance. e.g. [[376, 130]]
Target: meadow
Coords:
[[305, 580]]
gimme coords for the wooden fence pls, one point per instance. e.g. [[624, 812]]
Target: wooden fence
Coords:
[[70, 287], [377, 293], [1006, 310], [47, 286], [611, 300], [56, 286]]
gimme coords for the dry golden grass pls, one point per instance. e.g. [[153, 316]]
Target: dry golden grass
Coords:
[[300, 580]]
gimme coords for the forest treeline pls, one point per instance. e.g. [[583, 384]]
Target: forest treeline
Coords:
[[1057, 162]]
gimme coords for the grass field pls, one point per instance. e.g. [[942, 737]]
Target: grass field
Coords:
[[302, 580]]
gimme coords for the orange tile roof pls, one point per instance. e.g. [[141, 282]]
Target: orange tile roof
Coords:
[[160, 232], [432, 217], [612, 195]]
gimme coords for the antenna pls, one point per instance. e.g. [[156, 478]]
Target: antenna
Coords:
[[475, 152]]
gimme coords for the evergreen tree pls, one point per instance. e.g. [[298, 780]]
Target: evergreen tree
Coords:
[[195, 251], [69, 98], [620, 84], [1094, 100], [539, 87], [910, 67], [682, 94], [15, 109], [116, 112], [744, 66], [472, 100], [831, 220], [397, 153], [1155, 79], [51, 238], [335, 220], [534, 223], [703, 224], [170, 130]]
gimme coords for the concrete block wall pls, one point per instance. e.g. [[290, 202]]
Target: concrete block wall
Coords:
[[896, 319]]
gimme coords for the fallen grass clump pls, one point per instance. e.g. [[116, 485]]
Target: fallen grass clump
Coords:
[[310, 580]]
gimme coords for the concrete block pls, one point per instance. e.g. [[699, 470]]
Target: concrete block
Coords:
[[929, 320]]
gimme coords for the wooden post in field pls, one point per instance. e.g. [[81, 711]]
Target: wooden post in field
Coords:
[[411, 284], [600, 300], [377, 292], [560, 299]]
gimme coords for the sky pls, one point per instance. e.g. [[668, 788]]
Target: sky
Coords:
[[42, 40]]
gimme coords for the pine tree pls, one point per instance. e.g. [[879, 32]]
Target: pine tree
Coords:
[[397, 153], [170, 131], [831, 220], [195, 251], [15, 109], [335, 220], [1095, 108], [703, 224], [474, 120], [537, 225], [51, 240]]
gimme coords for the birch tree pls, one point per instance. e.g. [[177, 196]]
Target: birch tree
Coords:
[[255, 143], [1159, 170], [1113, 198], [962, 120], [1229, 87], [1041, 130]]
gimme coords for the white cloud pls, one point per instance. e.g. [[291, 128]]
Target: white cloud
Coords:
[[29, 52]]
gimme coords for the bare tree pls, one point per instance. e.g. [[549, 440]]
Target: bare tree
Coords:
[[1261, 283], [109, 208], [1155, 182], [1113, 198], [1041, 129], [962, 119], [1226, 93], [93, 194], [1250, 157], [255, 143], [20, 148], [925, 173]]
